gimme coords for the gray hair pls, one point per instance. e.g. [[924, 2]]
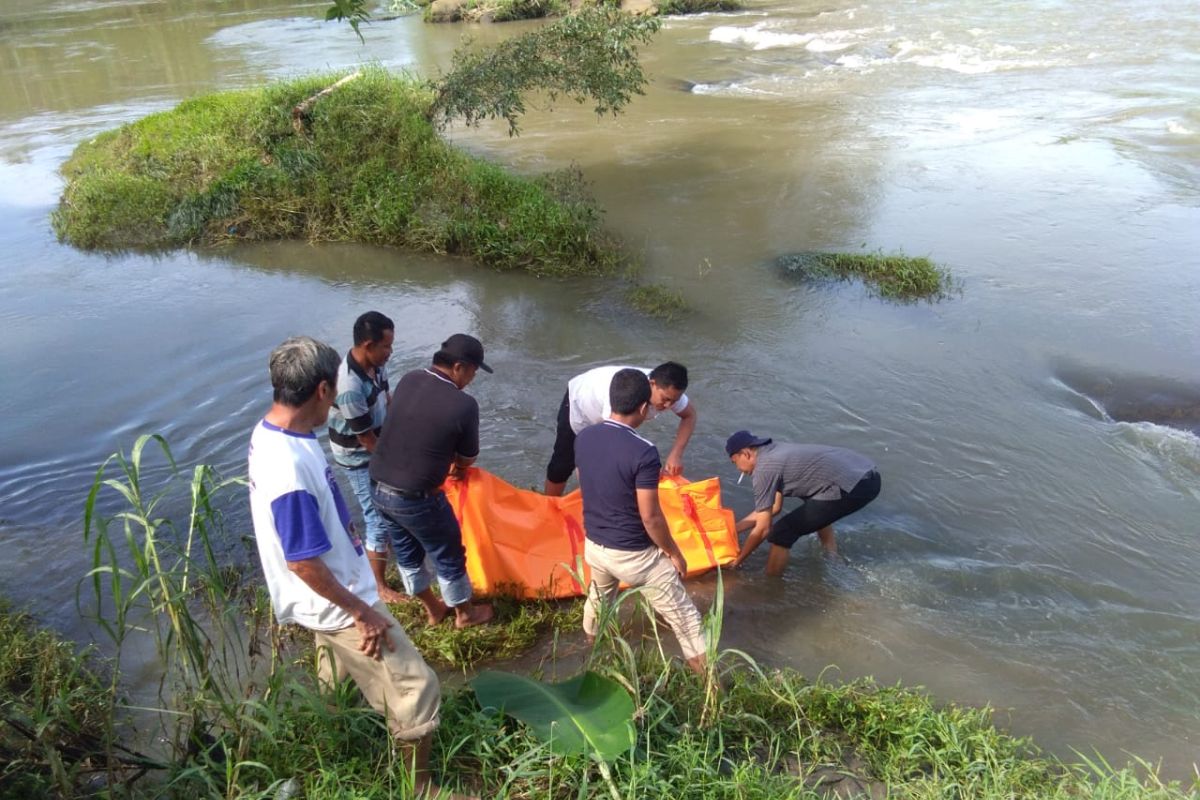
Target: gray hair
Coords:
[[297, 368]]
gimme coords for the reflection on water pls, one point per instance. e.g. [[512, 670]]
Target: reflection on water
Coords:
[[1032, 548]]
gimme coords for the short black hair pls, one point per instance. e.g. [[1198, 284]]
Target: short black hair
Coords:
[[628, 390], [670, 375], [370, 327]]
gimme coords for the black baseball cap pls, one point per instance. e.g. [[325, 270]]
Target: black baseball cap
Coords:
[[741, 440], [463, 347]]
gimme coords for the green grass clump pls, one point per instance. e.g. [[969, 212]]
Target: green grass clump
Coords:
[[511, 10], [518, 626], [698, 6], [369, 167], [895, 276], [55, 712], [656, 300]]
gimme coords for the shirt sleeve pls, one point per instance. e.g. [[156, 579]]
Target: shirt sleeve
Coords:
[[468, 440], [352, 403], [649, 469], [766, 484], [681, 404], [298, 523]]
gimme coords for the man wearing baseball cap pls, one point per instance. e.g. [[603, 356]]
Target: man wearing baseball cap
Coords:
[[833, 482], [431, 433]]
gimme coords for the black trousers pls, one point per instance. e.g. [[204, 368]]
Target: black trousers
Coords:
[[816, 514], [562, 462]]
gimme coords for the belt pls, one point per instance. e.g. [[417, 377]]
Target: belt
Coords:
[[407, 494]]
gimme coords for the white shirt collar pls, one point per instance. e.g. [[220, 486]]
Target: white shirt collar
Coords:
[[441, 377]]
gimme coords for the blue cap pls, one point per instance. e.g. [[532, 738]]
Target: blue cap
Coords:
[[741, 440]]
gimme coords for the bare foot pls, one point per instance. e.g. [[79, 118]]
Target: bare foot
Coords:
[[388, 595], [469, 614], [435, 612]]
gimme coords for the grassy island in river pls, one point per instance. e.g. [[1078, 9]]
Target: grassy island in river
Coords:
[[367, 165]]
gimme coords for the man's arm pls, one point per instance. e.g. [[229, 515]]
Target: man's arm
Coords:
[[372, 626], [468, 442], [760, 524], [687, 424], [368, 440], [656, 526], [459, 468]]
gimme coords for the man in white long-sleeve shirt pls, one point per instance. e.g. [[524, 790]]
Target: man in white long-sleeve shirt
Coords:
[[587, 403]]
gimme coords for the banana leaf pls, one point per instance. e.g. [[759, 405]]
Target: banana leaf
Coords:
[[588, 713]]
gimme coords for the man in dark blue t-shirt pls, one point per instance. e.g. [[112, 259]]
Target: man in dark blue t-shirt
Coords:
[[627, 535]]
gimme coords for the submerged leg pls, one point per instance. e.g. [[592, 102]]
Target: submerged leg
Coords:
[[777, 560], [827, 541]]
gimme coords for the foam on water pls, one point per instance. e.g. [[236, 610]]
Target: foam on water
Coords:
[[1180, 449], [882, 46], [758, 36]]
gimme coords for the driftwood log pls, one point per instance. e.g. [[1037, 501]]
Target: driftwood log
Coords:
[[300, 112]]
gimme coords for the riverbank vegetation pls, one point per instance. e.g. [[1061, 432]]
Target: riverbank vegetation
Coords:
[[892, 276], [363, 161], [356, 12], [54, 712], [776, 734], [243, 717], [520, 625]]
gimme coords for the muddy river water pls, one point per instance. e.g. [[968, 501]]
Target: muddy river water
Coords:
[[1036, 543]]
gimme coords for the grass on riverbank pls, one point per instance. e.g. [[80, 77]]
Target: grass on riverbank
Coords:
[[519, 625], [55, 713], [893, 276], [677, 7], [245, 719], [776, 735], [367, 166], [511, 10]]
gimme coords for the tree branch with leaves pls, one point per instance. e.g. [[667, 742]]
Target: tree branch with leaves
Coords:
[[588, 56]]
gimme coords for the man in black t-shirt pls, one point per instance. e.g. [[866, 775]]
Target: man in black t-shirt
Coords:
[[627, 535], [431, 432]]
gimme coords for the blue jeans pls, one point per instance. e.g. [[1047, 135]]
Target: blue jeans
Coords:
[[420, 527], [376, 535]]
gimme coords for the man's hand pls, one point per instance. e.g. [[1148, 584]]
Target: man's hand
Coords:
[[373, 630], [674, 465], [678, 562], [458, 470]]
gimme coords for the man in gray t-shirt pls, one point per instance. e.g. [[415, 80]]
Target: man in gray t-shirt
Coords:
[[833, 482]]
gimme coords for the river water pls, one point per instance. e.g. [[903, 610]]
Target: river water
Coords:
[[1029, 550]]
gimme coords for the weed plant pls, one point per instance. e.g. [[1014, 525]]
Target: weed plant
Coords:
[[894, 277], [741, 731], [55, 712], [656, 300]]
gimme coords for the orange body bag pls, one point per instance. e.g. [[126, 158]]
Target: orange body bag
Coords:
[[525, 543]]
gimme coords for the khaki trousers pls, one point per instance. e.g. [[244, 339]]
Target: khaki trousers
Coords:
[[652, 571], [400, 685]]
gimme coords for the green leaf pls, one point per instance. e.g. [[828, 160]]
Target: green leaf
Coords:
[[587, 713]]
